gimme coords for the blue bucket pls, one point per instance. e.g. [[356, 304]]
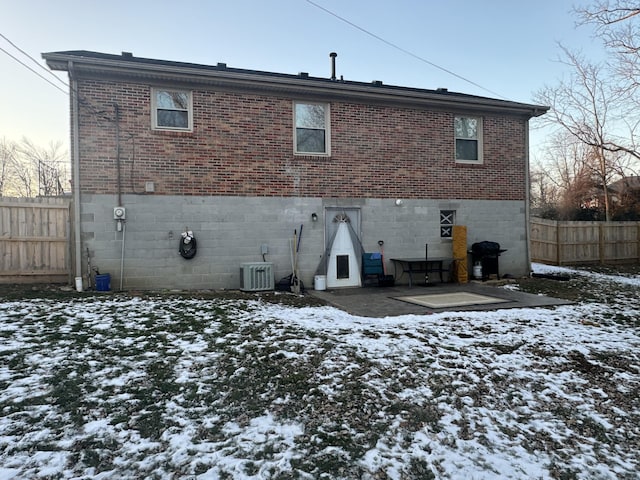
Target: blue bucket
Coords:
[[103, 282]]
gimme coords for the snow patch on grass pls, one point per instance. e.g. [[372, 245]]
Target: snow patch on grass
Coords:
[[116, 387]]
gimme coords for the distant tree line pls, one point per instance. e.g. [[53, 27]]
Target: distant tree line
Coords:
[[592, 157], [29, 170]]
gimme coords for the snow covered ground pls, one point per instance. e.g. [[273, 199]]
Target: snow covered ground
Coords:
[[118, 387]]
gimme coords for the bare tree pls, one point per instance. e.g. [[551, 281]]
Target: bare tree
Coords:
[[588, 107], [7, 160], [615, 24], [23, 179], [565, 180], [597, 106], [542, 190], [44, 168], [605, 14], [27, 170]]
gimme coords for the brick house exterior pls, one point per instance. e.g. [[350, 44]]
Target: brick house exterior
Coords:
[[234, 174]]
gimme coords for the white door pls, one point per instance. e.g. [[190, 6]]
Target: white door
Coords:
[[343, 264]]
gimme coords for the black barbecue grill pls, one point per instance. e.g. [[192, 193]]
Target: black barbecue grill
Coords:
[[487, 253]]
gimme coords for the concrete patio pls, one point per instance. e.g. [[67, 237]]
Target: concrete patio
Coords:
[[381, 302]]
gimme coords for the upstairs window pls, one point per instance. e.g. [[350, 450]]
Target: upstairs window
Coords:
[[171, 110], [468, 135], [311, 128]]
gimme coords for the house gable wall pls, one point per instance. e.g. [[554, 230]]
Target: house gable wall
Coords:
[[242, 145]]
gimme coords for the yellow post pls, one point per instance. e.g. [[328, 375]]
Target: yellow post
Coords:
[[460, 272]]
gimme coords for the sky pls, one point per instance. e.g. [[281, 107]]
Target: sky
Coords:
[[496, 48]]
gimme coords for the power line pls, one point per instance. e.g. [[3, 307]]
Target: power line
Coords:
[[403, 50], [99, 114], [35, 62], [33, 71]]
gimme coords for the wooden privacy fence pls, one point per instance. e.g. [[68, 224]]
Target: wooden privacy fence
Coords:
[[34, 240], [565, 243]]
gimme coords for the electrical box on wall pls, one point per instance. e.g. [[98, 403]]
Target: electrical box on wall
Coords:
[[119, 213]]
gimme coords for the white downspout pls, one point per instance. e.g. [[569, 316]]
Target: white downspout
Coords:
[[75, 132], [527, 198]]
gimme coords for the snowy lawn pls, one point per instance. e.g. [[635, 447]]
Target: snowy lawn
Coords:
[[126, 387]]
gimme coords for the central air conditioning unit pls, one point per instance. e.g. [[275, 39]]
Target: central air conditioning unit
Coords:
[[256, 276]]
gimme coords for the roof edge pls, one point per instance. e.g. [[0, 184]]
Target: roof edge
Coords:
[[221, 75]]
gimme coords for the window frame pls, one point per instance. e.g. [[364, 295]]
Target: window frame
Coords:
[[479, 140], [327, 130], [155, 108]]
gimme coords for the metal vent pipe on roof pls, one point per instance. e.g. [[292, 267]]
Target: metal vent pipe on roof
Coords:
[[333, 56]]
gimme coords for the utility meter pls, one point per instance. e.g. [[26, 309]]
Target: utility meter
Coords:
[[119, 213]]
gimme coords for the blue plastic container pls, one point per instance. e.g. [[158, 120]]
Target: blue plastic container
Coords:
[[103, 282]]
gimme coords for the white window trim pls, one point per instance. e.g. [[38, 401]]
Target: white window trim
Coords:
[[154, 110], [327, 130], [480, 141]]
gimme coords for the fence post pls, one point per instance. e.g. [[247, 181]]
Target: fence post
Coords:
[[638, 240], [558, 256], [601, 242]]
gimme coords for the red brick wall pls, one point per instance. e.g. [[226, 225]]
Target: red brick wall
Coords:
[[242, 144]]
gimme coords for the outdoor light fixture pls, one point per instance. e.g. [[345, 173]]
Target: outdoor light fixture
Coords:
[[399, 202], [314, 217]]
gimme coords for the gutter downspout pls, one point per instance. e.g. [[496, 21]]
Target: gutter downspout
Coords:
[[122, 224], [75, 131], [527, 198]]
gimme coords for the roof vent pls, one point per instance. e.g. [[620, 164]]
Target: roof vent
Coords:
[[303, 75], [333, 56], [127, 54], [377, 83], [444, 90], [222, 65]]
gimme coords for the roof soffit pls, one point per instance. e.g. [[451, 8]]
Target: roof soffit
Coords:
[[290, 85]]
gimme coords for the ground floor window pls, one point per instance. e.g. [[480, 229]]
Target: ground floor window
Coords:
[[447, 221]]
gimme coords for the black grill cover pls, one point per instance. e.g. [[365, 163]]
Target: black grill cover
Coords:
[[486, 248]]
